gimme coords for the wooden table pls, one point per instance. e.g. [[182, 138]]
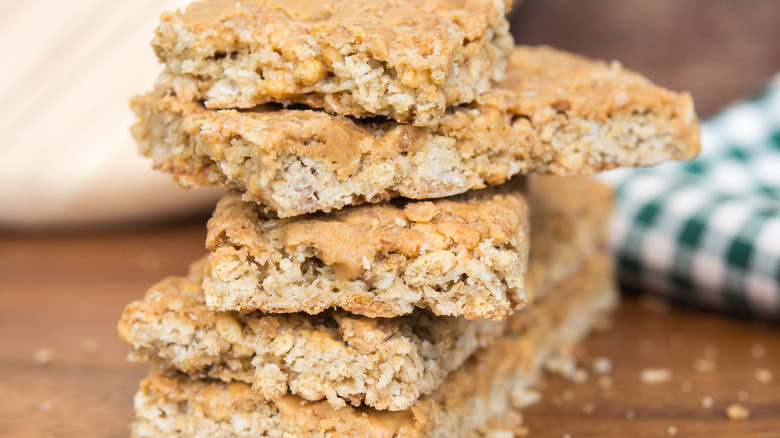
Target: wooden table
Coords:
[[65, 293]]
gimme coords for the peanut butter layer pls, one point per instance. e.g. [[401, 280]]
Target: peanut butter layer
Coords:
[[383, 363], [555, 113], [488, 385], [465, 255], [404, 59]]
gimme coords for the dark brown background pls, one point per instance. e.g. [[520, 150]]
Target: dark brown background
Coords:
[[58, 289], [719, 50]]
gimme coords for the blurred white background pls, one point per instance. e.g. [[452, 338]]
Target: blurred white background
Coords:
[[66, 155]]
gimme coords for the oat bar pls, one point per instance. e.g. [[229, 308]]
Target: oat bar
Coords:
[[484, 389], [556, 113], [404, 59]]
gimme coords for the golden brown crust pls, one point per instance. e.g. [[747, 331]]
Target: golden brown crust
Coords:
[[404, 59], [556, 113]]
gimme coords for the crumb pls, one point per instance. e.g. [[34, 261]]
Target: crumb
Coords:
[[605, 382], [645, 346], [655, 375], [602, 365], [707, 402], [651, 303], [43, 356], [89, 346], [579, 376], [568, 395], [737, 412], [46, 406], [686, 386], [588, 408], [526, 398], [758, 351], [567, 436], [671, 430], [630, 415], [704, 365], [743, 396], [764, 376], [676, 340], [564, 366]]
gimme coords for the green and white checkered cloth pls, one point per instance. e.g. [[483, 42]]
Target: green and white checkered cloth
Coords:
[[708, 231]]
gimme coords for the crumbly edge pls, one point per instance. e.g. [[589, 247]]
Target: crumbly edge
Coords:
[[350, 358], [251, 268], [343, 76], [483, 389], [383, 363], [245, 272], [569, 117]]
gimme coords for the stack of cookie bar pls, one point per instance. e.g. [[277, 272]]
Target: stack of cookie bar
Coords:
[[380, 265]]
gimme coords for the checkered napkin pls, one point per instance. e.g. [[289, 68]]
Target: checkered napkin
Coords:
[[708, 231]]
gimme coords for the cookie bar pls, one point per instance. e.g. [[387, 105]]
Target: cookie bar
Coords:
[[464, 255], [485, 388], [407, 60], [555, 113], [468, 257], [383, 363]]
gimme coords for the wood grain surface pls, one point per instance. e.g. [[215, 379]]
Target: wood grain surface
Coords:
[[64, 293]]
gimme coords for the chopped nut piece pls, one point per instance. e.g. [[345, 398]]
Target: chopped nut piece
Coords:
[[764, 376], [44, 356], [602, 365], [89, 346], [707, 402], [605, 382], [588, 408], [655, 375], [580, 376], [671, 430], [737, 412], [526, 398], [46, 406], [704, 365]]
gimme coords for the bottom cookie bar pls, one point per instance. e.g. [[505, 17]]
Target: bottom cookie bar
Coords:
[[490, 384]]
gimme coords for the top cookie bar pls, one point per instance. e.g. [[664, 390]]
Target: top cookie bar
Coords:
[[403, 59]]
